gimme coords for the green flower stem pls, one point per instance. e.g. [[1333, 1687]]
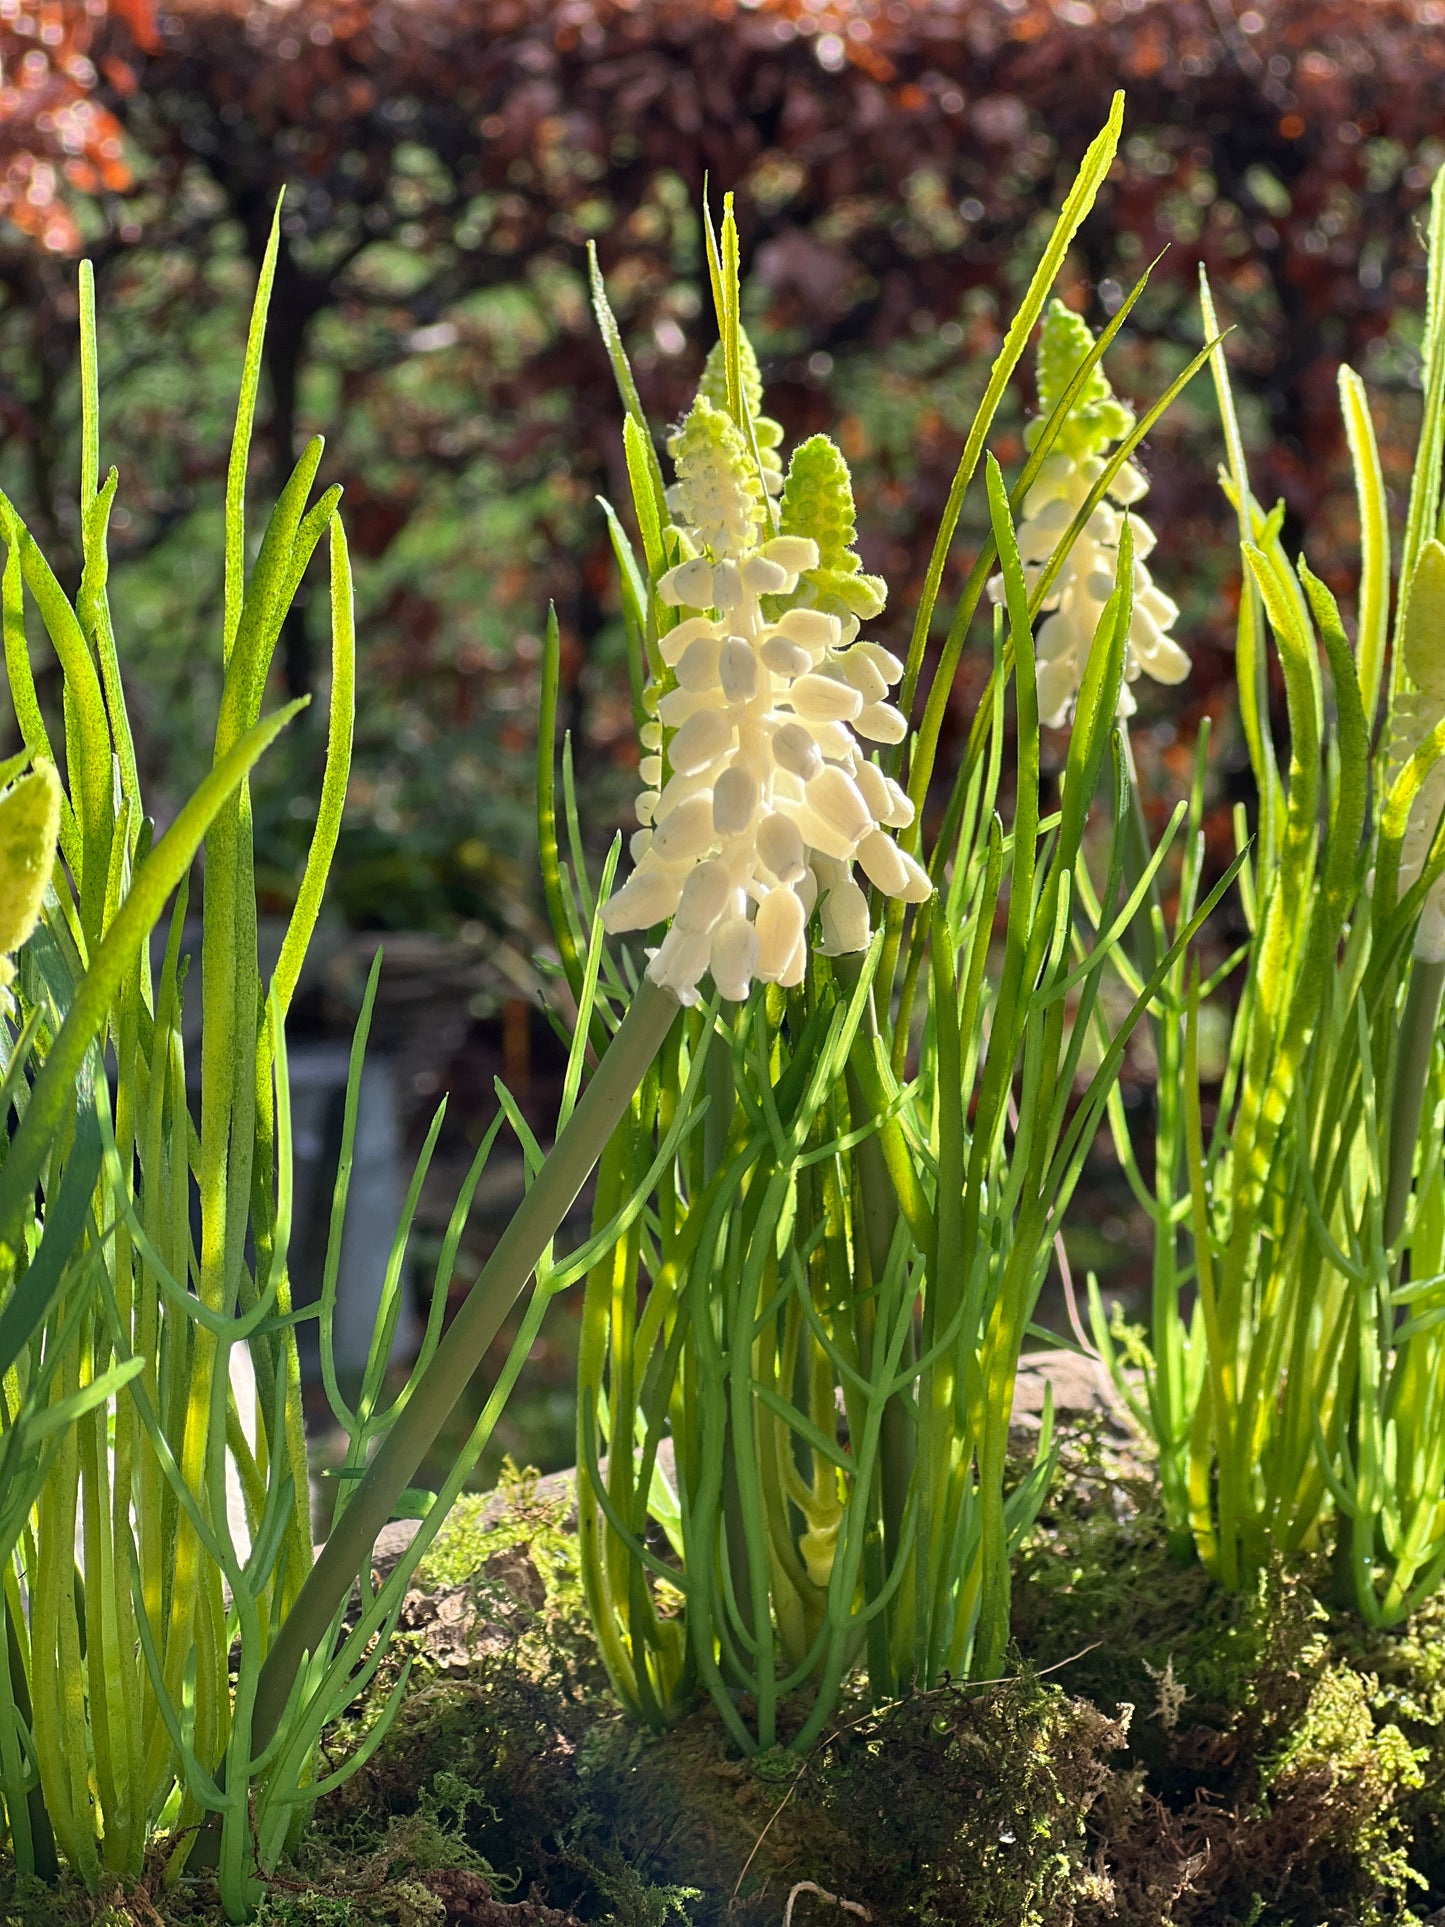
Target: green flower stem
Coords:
[[1412, 1069], [1143, 933], [32, 1840], [640, 1036], [898, 1439]]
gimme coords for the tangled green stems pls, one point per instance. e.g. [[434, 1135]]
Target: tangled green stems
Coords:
[[431, 1398], [117, 1416], [824, 1306], [1303, 1395], [120, 1710]]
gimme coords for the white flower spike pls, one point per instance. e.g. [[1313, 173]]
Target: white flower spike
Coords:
[[762, 728], [1086, 580]]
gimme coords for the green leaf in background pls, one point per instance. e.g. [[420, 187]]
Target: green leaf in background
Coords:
[[29, 827], [1424, 638]]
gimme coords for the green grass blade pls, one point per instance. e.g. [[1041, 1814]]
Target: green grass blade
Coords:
[[341, 721], [241, 443], [553, 887], [1249, 645], [622, 372], [88, 744], [1374, 611], [1424, 509], [1095, 166]]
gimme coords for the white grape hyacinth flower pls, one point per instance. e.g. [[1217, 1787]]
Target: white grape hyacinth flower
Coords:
[[1413, 717], [1086, 581], [770, 799]]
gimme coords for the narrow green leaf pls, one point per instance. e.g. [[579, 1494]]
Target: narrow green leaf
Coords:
[[341, 721], [66, 1216], [1424, 510], [88, 742], [1374, 608], [248, 658], [65, 1411], [241, 442], [634, 590], [1080, 199], [622, 368], [548, 853], [647, 505], [1249, 642]]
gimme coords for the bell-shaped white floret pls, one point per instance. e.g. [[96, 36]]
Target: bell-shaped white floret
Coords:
[[698, 665], [703, 738], [734, 800], [821, 699], [734, 957], [796, 751], [842, 909], [780, 846], [881, 723], [688, 586], [704, 896], [738, 670], [780, 925], [685, 834], [834, 796]]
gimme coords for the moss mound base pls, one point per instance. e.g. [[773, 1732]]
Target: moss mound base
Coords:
[[1164, 1756]]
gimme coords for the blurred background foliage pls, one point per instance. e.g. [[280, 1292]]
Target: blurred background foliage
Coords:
[[444, 163]]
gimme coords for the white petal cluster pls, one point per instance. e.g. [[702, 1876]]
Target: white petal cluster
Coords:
[[770, 798], [1086, 581]]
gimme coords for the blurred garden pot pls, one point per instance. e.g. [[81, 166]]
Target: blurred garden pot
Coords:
[[318, 1067]]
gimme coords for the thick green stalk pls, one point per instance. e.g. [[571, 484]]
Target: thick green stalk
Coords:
[[1412, 1070], [638, 1040], [899, 1438], [32, 1840]]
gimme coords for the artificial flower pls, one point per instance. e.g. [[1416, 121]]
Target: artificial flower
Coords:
[[1086, 580], [760, 796]]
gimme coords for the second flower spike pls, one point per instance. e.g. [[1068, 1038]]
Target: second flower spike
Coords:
[[1085, 582]]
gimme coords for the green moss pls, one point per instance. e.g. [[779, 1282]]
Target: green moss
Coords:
[[1166, 1755], [1270, 1777]]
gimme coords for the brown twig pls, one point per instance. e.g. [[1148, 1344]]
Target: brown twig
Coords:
[[836, 1900]]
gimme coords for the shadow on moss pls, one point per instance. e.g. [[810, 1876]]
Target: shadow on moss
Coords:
[[1169, 1756]]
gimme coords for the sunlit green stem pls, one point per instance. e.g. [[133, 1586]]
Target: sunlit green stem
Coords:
[[1144, 931], [898, 1438], [1143, 939], [639, 1038]]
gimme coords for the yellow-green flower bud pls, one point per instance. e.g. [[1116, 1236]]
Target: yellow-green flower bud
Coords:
[[769, 433], [818, 502], [718, 492], [29, 830], [1097, 417]]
